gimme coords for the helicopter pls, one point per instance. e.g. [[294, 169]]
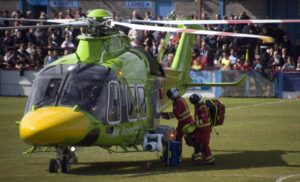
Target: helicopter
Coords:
[[107, 93]]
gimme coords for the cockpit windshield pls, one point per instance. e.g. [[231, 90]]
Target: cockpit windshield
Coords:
[[69, 85], [81, 92], [51, 91]]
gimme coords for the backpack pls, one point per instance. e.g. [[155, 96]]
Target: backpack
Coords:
[[216, 110]]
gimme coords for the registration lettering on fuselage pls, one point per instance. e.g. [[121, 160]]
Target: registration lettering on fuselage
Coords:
[[118, 131]]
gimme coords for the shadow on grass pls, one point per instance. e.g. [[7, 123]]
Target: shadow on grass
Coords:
[[228, 160]]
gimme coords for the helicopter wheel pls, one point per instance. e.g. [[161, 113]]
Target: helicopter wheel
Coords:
[[64, 157], [65, 166], [53, 166]]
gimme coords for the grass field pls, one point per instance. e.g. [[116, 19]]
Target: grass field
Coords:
[[259, 141]]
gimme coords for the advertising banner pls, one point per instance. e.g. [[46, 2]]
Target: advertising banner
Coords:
[[64, 3], [138, 4], [291, 82], [288, 85], [38, 2]]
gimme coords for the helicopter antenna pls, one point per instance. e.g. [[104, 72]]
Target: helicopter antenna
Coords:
[[77, 57], [102, 55]]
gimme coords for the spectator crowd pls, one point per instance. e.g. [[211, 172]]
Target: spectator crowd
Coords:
[[227, 53], [32, 49]]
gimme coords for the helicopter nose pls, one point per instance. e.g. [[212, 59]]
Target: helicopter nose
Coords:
[[53, 125]]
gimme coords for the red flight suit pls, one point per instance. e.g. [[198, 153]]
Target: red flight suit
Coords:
[[182, 113], [202, 135]]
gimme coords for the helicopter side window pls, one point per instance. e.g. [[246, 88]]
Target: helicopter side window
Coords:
[[141, 101], [131, 104], [114, 105]]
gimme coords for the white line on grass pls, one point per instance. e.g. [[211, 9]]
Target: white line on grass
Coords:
[[236, 175], [255, 105], [286, 177]]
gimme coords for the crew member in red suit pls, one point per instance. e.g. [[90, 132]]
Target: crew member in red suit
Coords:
[[180, 111], [201, 136]]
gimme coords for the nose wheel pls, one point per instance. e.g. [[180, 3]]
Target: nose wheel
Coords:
[[53, 166], [64, 158], [65, 166]]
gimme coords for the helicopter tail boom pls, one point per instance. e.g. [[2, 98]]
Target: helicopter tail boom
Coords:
[[214, 84]]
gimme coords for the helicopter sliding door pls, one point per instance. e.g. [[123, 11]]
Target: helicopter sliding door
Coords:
[[136, 103], [131, 103], [141, 101]]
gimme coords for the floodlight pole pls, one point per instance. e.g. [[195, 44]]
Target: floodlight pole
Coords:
[[199, 5]]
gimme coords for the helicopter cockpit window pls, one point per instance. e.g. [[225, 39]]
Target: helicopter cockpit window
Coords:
[[114, 105], [46, 87], [131, 104], [46, 92], [50, 93], [69, 85], [141, 101], [81, 92]]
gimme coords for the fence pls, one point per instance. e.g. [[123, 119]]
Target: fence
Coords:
[[12, 84], [285, 85]]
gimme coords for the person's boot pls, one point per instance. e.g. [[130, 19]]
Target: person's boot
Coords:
[[197, 157], [209, 160]]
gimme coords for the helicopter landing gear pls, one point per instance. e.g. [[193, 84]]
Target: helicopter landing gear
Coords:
[[53, 166], [65, 166], [64, 158]]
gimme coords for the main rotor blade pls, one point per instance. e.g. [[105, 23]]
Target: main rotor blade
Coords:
[[74, 24], [193, 31], [211, 22], [40, 20]]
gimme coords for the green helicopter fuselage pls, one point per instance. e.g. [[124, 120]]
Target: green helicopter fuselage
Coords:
[[104, 94]]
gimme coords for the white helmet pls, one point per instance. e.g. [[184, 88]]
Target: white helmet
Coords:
[[173, 93]]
